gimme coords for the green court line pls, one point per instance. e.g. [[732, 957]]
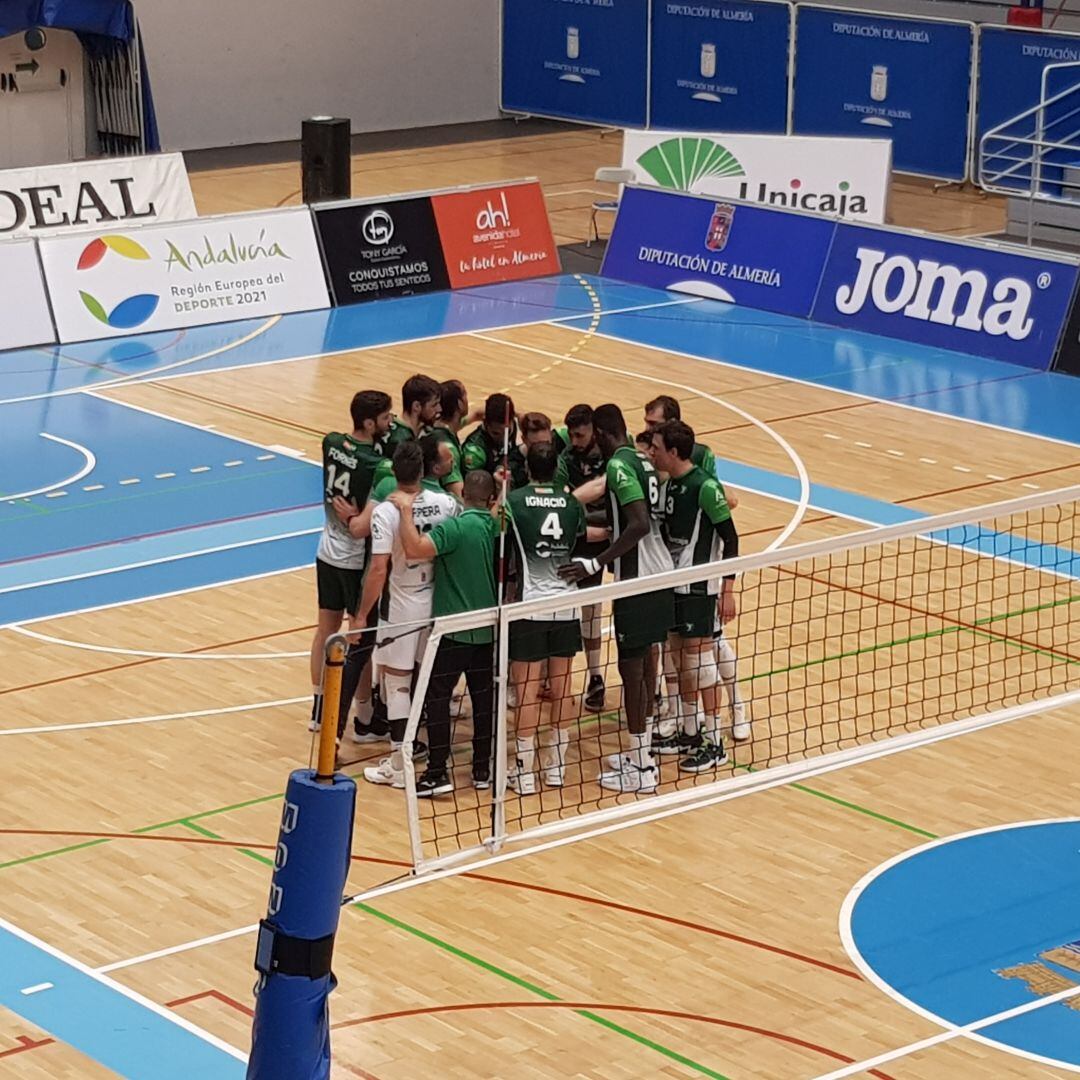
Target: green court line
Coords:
[[492, 969], [985, 621]]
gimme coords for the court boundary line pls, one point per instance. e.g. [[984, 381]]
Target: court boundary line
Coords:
[[89, 463], [52, 729], [122, 380], [869, 398], [125, 991], [159, 596], [951, 1030], [157, 561], [779, 776]]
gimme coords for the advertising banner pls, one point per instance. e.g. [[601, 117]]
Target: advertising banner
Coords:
[[845, 178], [738, 253], [720, 65], [24, 309], [495, 234], [114, 193], [966, 297], [374, 250], [582, 60], [878, 76], [162, 277]]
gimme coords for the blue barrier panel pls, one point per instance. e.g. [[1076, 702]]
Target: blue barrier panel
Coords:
[[965, 297], [720, 65], [586, 60], [737, 252], [906, 79], [1011, 63]]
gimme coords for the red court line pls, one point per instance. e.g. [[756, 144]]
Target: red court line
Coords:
[[25, 1043], [671, 1014], [565, 894]]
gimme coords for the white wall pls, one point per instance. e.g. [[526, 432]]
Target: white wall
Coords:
[[227, 72]]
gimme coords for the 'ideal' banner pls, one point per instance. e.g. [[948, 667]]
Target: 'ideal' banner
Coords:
[[846, 178], [24, 309], [163, 277], [112, 193]]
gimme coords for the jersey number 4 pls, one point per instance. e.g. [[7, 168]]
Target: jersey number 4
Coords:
[[552, 527], [337, 484]]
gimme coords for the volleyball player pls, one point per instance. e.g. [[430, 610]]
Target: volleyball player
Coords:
[[534, 428], [453, 415], [484, 447], [641, 620], [349, 463], [698, 530], [421, 406], [403, 633], [581, 462], [464, 552], [545, 523]]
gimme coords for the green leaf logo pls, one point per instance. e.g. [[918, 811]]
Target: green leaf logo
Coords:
[[94, 307], [680, 163]]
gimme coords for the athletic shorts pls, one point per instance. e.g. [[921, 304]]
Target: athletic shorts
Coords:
[[401, 640], [642, 620], [695, 616], [339, 589], [533, 640]]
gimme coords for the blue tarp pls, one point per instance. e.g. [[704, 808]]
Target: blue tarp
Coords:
[[100, 24]]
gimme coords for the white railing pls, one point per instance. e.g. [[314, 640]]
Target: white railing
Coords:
[[1034, 154]]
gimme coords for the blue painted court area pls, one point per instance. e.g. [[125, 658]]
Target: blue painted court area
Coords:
[[160, 506], [971, 927], [113, 1026]]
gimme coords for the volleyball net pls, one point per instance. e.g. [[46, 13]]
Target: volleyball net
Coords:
[[894, 636]]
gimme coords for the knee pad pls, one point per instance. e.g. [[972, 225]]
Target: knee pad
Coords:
[[397, 692], [726, 658], [707, 672], [592, 622]]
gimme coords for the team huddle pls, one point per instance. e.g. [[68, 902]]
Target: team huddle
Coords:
[[422, 524]]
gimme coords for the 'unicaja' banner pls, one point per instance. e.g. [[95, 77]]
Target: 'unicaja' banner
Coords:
[[844, 178]]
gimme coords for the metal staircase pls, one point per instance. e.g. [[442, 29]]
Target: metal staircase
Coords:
[[1034, 159]]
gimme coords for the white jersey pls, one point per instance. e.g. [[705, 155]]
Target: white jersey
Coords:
[[411, 582]]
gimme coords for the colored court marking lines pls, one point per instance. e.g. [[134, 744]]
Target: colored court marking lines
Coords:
[[105, 1020]]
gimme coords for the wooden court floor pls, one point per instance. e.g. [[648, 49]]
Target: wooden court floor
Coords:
[[703, 944]]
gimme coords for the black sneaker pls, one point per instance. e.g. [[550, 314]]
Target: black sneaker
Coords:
[[315, 723], [707, 757], [481, 775], [595, 693], [419, 750], [433, 783], [679, 743], [376, 731]]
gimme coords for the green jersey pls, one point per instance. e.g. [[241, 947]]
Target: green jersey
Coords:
[[577, 468], [444, 434], [704, 459], [479, 451], [631, 478], [348, 470], [545, 524], [519, 470], [399, 433], [694, 508], [465, 570]]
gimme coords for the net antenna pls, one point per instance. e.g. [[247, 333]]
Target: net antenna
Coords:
[[847, 648]]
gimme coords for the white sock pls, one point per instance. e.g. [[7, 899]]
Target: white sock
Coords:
[[690, 718], [316, 690], [362, 711], [641, 750], [711, 725], [592, 658], [397, 762], [526, 754], [725, 662]]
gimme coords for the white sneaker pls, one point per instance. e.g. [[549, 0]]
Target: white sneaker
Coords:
[[385, 773], [554, 777], [631, 779], [740, 728], [521, 782], [616, 761], [664, 729]]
